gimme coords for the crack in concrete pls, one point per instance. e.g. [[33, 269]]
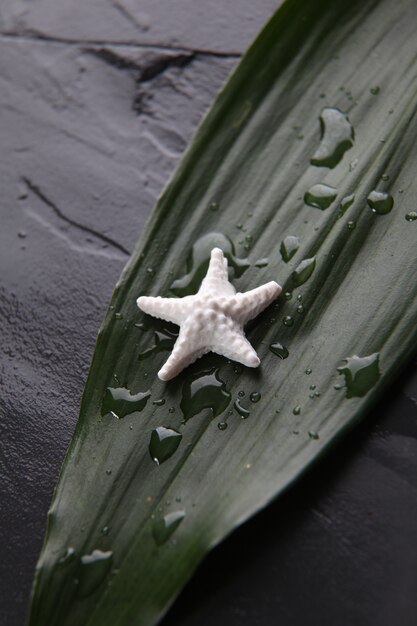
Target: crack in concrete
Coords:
[[33, 36], [150, 69], [86, 229]]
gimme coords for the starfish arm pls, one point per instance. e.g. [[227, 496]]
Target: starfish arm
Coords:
[[217, 279], [170, 309], [248, 305], [234, 345], [189, 346]]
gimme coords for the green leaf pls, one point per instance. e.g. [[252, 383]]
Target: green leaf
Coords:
[[356, 311]]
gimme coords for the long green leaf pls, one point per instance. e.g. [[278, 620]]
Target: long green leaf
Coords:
[[125, 534]]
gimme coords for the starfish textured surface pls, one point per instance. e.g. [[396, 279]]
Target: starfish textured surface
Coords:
[[212, 320]]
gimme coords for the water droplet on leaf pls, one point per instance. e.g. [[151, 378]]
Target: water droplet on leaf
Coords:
[[222, 425], [346, 202], [303, 271], [120, 402], [380, 202], [361, 374], [337, 137], [411, 216], [255, 396], [320, 196], [94, 568], [288, 320], [204, 391], [289, 247], [164, 527], [164, 442], [297, 410], [279, 350], [241, 409]]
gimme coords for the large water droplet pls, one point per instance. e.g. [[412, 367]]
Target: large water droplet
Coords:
[[120, 402], [163, 443], [337, 136], [241, 409], [303, 271], [361, 374], [164, 527], [320, 196], [94, 569], [289, 247], [279, 350], [198, 261], [380, 202], [204, 391]]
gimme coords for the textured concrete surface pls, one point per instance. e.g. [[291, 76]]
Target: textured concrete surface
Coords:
[[98, 100]]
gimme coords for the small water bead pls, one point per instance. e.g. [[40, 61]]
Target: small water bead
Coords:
[[337, 387], [171, 409], [317, 394], [214, 206], [320, 196], [288, 295], [303, 271], [288, 320], [279, 350], [160, 402], [311, 395], [68, 556], [105, 530], [150, 271], [118, 316], [312, 387], [164, 442], [108, 472], [241, 393], [313, 434], [255, 396], [244, 413], [289, 247], [222, 425], [297, 410], [385, 177], [375, 90], [380, 202], [164, 527], [337, 137], [299, 297], [308, 371], [411, 216], [351, 225], [361, 374], [300, 309]]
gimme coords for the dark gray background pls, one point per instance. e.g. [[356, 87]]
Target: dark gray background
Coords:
[[98, 99]]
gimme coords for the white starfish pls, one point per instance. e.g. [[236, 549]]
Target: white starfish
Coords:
[[212, 320]]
